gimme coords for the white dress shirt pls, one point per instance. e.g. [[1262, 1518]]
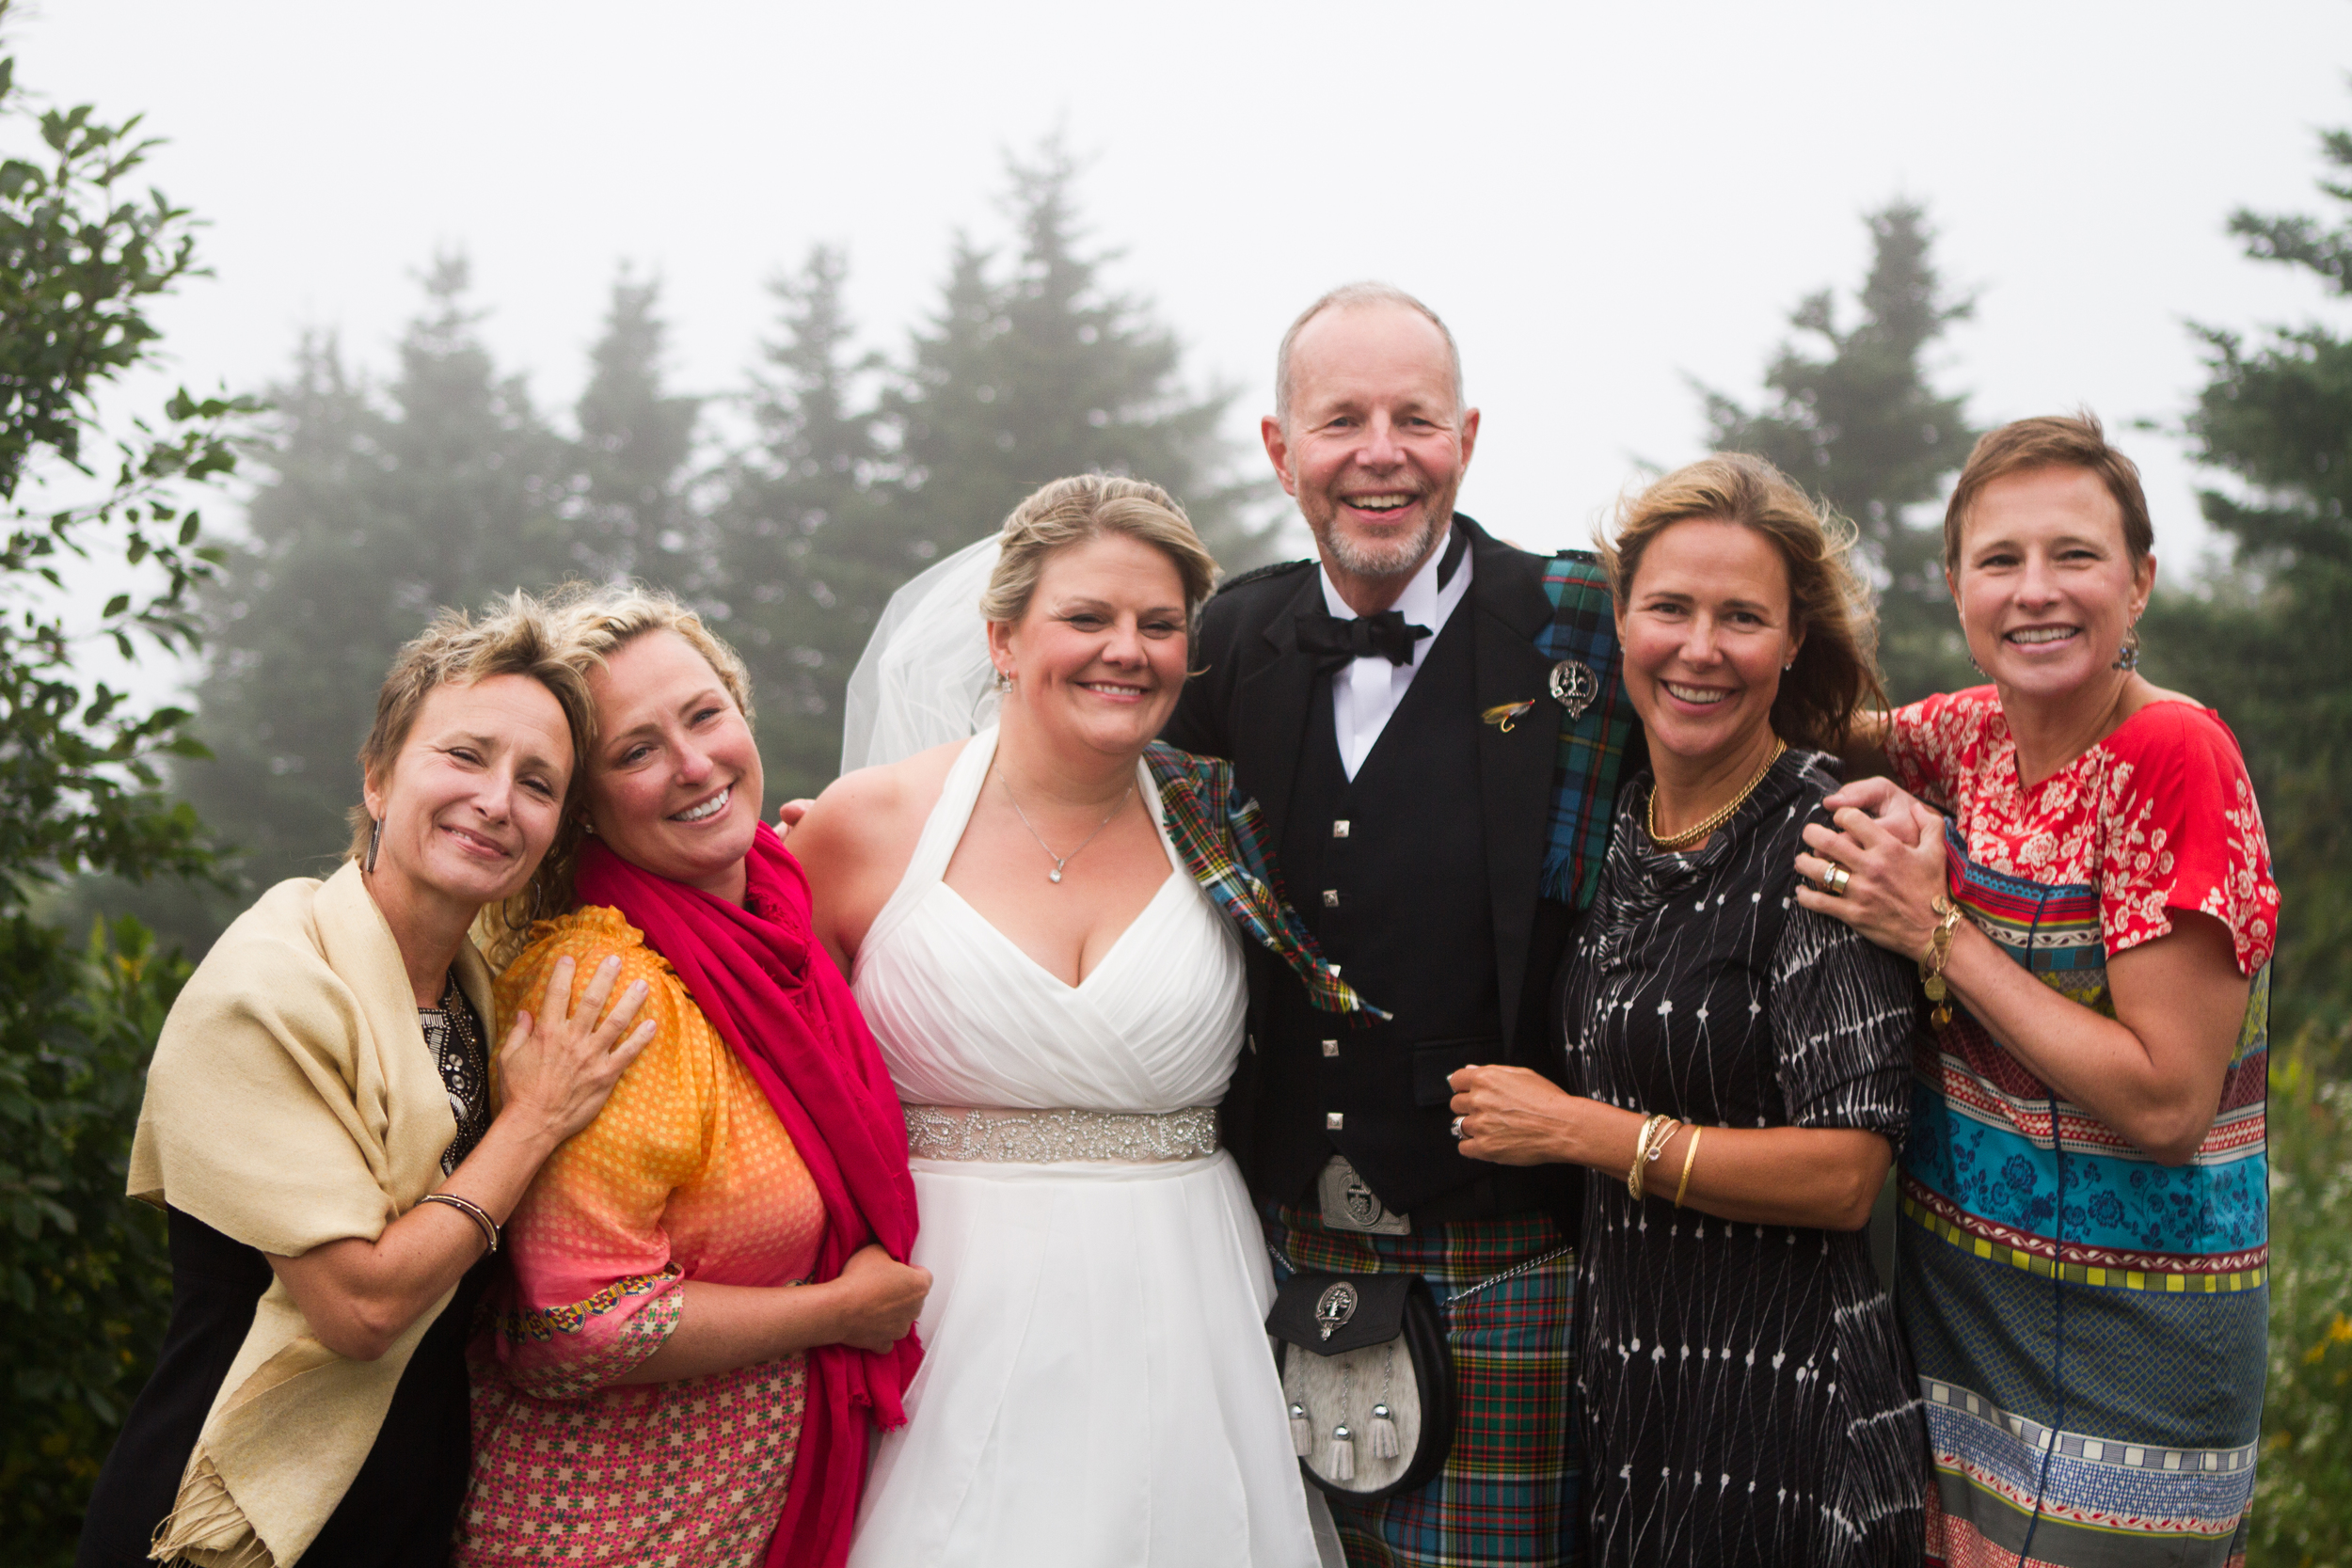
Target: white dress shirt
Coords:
[[1365, 691]]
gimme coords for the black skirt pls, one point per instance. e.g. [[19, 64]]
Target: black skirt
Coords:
[[400, 1510]]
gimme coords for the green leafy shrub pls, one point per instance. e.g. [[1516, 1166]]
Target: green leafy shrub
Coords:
[[83, 1271]]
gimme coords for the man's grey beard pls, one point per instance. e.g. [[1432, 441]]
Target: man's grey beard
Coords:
[[1400, 559]]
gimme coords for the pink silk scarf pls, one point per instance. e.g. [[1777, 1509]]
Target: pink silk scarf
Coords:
[[778, 1000]]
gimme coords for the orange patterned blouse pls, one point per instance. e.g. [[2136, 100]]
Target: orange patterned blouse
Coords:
[[686, 1175]]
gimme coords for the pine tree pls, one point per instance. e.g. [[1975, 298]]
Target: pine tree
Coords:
[[1043, 373], [2270, 648], [806, 543], [1858, 423], [635, 438], [373, 518]]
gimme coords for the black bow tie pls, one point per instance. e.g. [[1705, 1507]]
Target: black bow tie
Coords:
[[1334, 642]]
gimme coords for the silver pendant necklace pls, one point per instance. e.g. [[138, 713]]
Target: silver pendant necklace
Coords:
[[1060, 861]]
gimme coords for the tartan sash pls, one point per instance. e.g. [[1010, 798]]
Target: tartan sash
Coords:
[[1592, 745], [1222, 841]]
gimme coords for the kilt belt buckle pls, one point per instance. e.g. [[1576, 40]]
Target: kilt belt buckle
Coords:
[[1349, 1204]]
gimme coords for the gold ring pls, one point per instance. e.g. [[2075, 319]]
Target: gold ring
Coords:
[[1834, 880]]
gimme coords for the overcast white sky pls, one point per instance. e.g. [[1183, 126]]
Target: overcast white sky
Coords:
[[1602, 199]]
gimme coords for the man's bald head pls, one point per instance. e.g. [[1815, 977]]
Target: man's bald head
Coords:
[[1353, 296]]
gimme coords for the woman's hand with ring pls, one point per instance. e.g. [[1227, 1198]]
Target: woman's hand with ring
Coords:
[[1871, 874], [1511, 1117]]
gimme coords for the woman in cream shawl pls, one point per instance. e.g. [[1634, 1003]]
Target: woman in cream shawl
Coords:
[[318, 1129]]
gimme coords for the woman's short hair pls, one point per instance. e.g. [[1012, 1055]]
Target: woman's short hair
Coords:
[[2050, 441], [1835, 678], [1082, 508], [514, 636]]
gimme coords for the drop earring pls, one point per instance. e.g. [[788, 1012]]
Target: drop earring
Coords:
[[2128, 660], [375, 842]]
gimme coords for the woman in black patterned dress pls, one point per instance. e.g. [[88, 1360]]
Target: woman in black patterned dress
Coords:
[[1741, 1069]]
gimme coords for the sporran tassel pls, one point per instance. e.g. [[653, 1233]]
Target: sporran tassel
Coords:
[[1302, 1434], [1383, 1435], [1339, 1462]]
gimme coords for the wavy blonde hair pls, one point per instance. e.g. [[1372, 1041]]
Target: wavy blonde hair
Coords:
[[1836, 680], [1082, 508], [593, 622]]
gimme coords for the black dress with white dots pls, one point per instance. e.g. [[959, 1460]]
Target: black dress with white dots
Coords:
[[1746, 1398]]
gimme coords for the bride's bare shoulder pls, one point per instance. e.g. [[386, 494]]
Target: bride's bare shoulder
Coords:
[[874, 807]]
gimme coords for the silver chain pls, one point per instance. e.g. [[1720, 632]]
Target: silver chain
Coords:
[[1468, 1290], [1060, 861]]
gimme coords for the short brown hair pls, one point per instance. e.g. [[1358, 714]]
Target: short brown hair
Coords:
[[2050, 441], [1835, 678], [1083, 508], [514, 636]]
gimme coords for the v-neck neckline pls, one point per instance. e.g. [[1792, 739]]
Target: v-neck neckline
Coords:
[[1102, 963]]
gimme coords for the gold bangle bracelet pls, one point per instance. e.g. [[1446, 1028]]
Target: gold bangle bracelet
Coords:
[[1648, 1145], [473, 1210], [1690, 1155]]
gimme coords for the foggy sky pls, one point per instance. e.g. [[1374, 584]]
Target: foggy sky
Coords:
[[1602, 199]]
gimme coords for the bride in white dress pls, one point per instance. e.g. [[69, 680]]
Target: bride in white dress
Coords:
[[1060, 1006]]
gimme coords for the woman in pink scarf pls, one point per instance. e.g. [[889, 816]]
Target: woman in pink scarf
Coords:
[[709, 1310]]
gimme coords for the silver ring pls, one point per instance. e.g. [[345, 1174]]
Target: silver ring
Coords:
[[1834, 880], [1456, 1130]]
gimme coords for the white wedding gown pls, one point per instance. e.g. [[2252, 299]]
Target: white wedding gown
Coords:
[[1096, 1390]]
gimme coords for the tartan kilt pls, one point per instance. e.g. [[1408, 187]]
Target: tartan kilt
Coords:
[[1509, 1492]]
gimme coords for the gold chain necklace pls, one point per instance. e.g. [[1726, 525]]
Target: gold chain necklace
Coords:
[[1692, 835]]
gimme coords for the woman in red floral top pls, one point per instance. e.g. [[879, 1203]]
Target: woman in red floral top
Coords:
[[2083, 1262]]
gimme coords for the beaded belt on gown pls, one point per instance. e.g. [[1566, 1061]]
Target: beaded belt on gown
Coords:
[[1012, 1137]]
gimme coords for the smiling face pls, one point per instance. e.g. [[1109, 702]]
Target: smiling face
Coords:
[[471, 799], [2047, 590], [673, 786], [1099, 655], [1376, 442], [1705, 628]]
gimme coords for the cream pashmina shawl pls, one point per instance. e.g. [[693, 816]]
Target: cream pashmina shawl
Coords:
[[293, 1102]]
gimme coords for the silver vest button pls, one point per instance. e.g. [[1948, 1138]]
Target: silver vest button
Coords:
[[1330, 1048], [1338, 828], [1333, 1121]]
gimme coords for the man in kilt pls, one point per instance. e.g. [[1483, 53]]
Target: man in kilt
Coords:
[[1428, 719]]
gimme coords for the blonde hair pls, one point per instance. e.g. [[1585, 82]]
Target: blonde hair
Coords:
[[595, 621], [1083, 508], [514, 636], [1835, 678]]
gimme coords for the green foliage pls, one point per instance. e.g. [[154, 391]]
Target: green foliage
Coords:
[[79, 264], [2270, 651], [2303, 1480], [85, 1273], [1858, 423]]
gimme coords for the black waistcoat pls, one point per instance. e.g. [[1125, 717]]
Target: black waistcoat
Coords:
[[1390, 871]]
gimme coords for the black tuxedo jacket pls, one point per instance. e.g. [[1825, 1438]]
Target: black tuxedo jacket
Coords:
[[1249, 703]]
